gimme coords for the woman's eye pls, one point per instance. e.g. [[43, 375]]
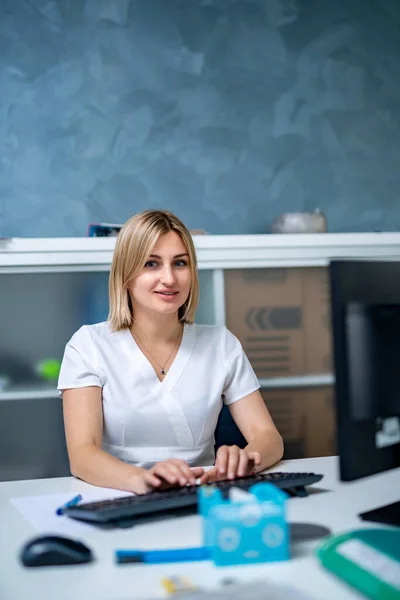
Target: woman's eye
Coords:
[[152, 264]]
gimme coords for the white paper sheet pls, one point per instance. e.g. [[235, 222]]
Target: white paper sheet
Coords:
[[256, 590], [40, 511]]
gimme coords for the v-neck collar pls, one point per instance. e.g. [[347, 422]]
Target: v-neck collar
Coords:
[[176, 369]]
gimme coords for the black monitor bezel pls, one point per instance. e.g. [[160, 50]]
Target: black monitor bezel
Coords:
[[358, 455]]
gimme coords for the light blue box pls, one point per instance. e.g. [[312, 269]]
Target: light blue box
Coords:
[[240, 532]]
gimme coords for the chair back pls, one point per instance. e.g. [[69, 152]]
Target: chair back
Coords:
[[227, 432]]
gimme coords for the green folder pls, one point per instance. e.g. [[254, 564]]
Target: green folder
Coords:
[[367, 559]]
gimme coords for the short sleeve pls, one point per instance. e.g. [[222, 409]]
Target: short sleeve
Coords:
[[79, 364], [241, 379]]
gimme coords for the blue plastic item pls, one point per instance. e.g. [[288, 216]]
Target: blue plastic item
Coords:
[[242, 531], [161, 556]]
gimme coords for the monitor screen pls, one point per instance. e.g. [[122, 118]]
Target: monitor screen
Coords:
[[373, 355], [365, 302]]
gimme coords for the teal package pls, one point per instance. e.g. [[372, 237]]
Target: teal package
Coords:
[[367, 559], [238, 532]]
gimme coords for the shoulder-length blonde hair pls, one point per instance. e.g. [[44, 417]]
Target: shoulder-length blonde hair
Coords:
[[134, 244]]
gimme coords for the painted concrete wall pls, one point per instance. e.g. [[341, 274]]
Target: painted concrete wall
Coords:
[[227, 112]]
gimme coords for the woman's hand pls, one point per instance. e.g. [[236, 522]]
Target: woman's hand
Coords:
[[231, 462], [168, 473]]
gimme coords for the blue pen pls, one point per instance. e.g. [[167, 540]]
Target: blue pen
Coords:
[[73, 502], [162, 556]]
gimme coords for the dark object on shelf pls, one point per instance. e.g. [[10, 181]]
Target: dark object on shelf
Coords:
[[103, 229], [16, 369]]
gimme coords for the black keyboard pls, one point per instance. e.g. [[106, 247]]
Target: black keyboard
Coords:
[[167, 501]]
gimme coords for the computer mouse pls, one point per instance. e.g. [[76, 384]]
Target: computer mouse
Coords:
[[46, 550]]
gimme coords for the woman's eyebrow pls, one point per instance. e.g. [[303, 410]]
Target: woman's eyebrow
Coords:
[[176, 255]]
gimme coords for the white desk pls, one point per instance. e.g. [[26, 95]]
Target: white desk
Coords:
[[103, 580]]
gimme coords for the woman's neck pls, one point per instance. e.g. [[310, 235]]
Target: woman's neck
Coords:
[[157, 329]]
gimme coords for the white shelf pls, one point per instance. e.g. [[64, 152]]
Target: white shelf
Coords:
[[214, 251], [299, 381], [28, 393]]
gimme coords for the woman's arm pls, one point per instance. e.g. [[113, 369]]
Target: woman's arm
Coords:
[[83, 422], [264, 443], [256, 425]]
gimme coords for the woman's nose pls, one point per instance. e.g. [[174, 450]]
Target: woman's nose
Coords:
[[167, 276]]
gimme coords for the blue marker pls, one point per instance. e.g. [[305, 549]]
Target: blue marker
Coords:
[[162, 556], [73, 502]]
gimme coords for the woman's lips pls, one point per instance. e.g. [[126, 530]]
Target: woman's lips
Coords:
[[167, 295]]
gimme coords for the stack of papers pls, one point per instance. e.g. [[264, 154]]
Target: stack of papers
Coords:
[[40, 511]]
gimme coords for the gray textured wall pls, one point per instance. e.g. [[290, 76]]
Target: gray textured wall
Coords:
[[227, 112]]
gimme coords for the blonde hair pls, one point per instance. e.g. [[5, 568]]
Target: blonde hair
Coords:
[[134, 244]]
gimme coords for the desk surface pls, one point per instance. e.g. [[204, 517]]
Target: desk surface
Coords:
[[336, 507]]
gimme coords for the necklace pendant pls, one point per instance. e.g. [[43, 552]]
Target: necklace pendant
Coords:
[[162, 372]]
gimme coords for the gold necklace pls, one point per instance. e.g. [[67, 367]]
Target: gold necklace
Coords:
[[151, 354]]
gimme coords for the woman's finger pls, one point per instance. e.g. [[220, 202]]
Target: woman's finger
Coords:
[[233, 461], [184, 472], [208, 476], [183, 475], [151, 479], [221, 460], [243, 465], [167, 472], [197, 471]]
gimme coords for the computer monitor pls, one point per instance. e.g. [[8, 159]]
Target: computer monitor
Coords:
[[365, 304]]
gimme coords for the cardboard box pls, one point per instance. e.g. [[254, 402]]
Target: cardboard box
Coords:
[[317, 320], [264, 310], [305, 419], [281, 317]]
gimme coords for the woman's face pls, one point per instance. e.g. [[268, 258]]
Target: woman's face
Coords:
[[163, 285]]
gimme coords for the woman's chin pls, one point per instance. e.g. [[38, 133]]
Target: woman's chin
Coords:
[[165, 310]]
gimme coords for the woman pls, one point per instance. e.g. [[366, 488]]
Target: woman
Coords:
[[142, 391]]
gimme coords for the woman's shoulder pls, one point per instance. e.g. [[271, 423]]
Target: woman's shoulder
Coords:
[[89, 334], [214, 333], [208, 331], [220, 336]]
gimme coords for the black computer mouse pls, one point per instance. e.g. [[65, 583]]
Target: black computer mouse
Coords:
[[46, 550]]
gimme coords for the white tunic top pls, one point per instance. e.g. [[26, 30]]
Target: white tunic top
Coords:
[[146, 420]]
